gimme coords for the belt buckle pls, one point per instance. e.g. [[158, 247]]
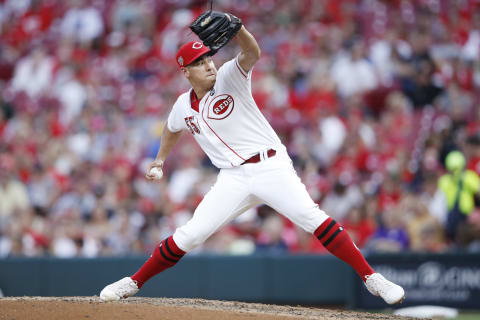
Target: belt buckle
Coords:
[[265, 154], [260, 156]]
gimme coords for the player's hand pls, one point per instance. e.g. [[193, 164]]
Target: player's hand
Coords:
[[155, 170]]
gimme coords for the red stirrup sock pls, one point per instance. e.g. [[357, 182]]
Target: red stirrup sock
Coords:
[[166, 255], [336, 240]]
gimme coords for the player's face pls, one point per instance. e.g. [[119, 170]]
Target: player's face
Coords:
[[202, 71]]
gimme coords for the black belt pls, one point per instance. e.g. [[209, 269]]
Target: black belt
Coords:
[[256, 158]]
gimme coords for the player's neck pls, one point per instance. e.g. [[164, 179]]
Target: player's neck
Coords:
[[200, 91]]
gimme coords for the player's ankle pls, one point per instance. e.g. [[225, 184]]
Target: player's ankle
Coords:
[[137, 282]]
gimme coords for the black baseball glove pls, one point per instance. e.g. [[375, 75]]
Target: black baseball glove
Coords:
[[216, 29]]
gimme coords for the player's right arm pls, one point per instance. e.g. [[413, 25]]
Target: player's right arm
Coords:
[[171, 133], [169, 140]]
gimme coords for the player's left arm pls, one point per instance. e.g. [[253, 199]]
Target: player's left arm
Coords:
[[250, 49]]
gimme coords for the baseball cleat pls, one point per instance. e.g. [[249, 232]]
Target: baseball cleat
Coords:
[[389, 291], [121, 289]]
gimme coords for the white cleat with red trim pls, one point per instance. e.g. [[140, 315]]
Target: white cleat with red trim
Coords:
[[389, 291], [120, 289]]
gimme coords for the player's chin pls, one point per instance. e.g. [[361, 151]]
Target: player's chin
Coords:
[[210, 79]]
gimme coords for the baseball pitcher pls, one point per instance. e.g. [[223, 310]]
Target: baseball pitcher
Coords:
[[221, 114]]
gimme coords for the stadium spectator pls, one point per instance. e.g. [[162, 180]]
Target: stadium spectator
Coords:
[[13, 192], [460, 187], [33, 74], [370, 97], [359, 226], [424, 231], [352, 72], [391, 234], [82, 23]]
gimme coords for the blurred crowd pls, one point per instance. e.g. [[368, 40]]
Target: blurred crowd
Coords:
[[369, 97]]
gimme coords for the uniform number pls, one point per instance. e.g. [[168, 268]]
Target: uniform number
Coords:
[[190, 121]]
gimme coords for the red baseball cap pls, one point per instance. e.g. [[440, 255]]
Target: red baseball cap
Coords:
[[190, 52]]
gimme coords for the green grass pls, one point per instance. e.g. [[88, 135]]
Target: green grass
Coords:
[[468, 316]]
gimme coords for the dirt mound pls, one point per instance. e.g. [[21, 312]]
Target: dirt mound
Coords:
[[162, 308]]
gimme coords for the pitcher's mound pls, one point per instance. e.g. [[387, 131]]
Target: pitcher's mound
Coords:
[[162, 308]]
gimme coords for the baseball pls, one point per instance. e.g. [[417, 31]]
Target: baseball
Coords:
[[157, 172]]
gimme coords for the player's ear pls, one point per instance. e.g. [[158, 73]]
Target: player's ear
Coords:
[[186, 72]]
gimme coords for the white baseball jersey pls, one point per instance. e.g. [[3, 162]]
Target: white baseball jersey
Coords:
[[228, 125]]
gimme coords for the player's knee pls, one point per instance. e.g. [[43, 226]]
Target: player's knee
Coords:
[[195, 241], [187, 240], [201, 235], [310, 219], [320, 218]]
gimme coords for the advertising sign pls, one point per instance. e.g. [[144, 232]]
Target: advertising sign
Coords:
[[450, 280]]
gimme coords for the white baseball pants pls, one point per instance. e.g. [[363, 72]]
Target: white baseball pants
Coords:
[[272, 181]]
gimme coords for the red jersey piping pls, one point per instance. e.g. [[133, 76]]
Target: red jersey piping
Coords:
[[240, 68]]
